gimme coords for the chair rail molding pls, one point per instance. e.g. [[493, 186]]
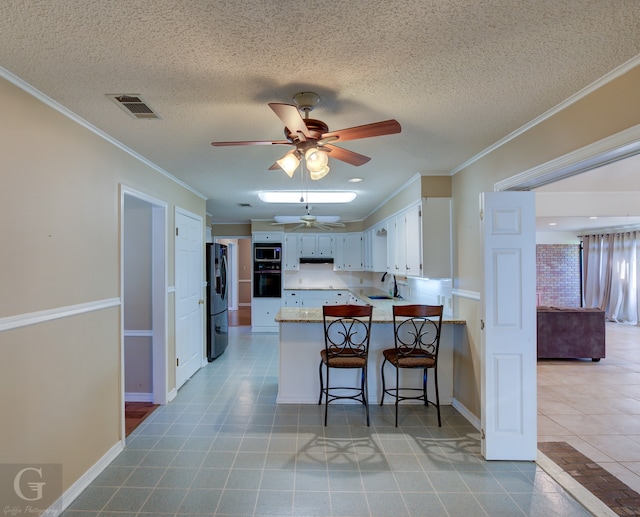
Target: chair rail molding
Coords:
[[32, 318]]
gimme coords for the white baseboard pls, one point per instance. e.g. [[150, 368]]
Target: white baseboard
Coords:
[[172, 394], [134, 396], [461, 408], [84, 481]]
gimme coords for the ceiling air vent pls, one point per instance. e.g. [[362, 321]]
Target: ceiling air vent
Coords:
[[134, 105]]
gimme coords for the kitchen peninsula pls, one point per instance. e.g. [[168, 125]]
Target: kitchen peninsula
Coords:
[[302, 338]]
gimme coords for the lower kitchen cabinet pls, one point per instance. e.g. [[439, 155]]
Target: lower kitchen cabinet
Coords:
[[263, 314], [315, 297]]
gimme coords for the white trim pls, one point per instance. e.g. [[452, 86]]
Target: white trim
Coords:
[[171, 289], [172, 394], [83, 481], [134, 396], [138, 333], [32, 318], [579, 492], [614, 74], [14, 79], [610, 149], [462, 293], [462, 409]]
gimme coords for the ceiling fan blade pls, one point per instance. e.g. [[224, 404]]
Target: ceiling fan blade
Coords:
[[386, 127], [291, 117], [253, 142], [345, 155], [322, 226]]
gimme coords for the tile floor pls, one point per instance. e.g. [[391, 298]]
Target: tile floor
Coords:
[[223, 447], [595, 406]]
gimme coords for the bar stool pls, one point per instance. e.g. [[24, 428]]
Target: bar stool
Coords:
[[347, 329], [416, 330]]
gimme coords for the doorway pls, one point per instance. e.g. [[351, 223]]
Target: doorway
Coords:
[[240, 263], [143, 288]]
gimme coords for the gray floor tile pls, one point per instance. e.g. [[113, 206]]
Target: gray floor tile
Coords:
[[223, 447]]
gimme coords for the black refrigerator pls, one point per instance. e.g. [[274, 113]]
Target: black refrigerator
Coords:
[[217, 294]]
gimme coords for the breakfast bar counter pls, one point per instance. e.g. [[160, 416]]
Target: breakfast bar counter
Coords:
[[302, 338]]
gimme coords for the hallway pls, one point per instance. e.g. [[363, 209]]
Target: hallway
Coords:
[[224, 447]]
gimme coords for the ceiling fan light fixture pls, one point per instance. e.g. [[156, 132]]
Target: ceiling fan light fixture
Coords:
[[316, 160], [318, 175], [289, 163]]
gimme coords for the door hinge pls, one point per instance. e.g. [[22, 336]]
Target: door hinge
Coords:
[[177, 231], [481, 215], [482, 436], [177, 361], [481, 324]]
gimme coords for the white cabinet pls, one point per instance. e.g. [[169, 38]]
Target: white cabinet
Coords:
[[413, 240], [315, 297], [292, 255], [316, 245], [348, 255], [263, 314], [268, 237], [419, 240]]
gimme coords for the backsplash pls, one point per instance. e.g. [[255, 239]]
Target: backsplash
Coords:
[[322, 276]]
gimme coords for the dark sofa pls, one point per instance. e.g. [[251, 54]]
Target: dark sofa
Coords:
[[570, 333]]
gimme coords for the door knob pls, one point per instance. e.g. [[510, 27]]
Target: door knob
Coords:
[[201, 302]]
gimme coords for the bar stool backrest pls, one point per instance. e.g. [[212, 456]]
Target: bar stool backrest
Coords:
[[417, 330], [347, 329]]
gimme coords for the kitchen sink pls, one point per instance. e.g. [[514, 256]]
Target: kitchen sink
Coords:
[[380, 297]]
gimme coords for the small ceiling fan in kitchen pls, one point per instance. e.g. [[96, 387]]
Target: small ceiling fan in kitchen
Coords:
[[321, 222], [312, 140]]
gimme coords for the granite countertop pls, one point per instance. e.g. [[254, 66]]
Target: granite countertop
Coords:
[[382, 309]]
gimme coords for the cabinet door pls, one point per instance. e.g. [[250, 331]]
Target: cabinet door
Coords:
[[379, 248], [353, 252], [391, 246], [401, 246], [324, 245], [308, 245], [291, 253], [268, 237], [413, 239]]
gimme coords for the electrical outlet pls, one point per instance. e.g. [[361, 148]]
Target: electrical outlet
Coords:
[[361, 280]]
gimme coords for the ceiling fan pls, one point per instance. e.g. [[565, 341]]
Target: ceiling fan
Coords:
[[326, 222], [312, 139]]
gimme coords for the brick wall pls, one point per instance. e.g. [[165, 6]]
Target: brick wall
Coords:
[[558, 275]]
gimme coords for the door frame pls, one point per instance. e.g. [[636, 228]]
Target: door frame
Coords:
[[615, 147], [159, 288]]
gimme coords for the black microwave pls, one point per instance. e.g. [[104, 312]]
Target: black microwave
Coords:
[[267, 252]]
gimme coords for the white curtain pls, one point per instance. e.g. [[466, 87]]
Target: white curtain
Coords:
[[610, 274]]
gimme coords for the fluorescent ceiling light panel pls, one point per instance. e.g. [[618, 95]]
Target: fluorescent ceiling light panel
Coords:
[[316, 196], [296, 218]]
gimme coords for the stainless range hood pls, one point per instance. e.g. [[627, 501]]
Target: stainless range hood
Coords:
[[316, 260]]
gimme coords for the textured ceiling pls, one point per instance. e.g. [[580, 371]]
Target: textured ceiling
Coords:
[[458, 75]]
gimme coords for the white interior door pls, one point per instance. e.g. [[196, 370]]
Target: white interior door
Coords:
[[189, 296], [508, 389]]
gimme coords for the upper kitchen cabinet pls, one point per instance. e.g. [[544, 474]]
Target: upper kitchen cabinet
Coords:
[[277, 237], [374, 250], [349, 252], [291, 252], [316, 245], [419, 240]]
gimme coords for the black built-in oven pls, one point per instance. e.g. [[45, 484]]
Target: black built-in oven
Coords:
[[267, 273]]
